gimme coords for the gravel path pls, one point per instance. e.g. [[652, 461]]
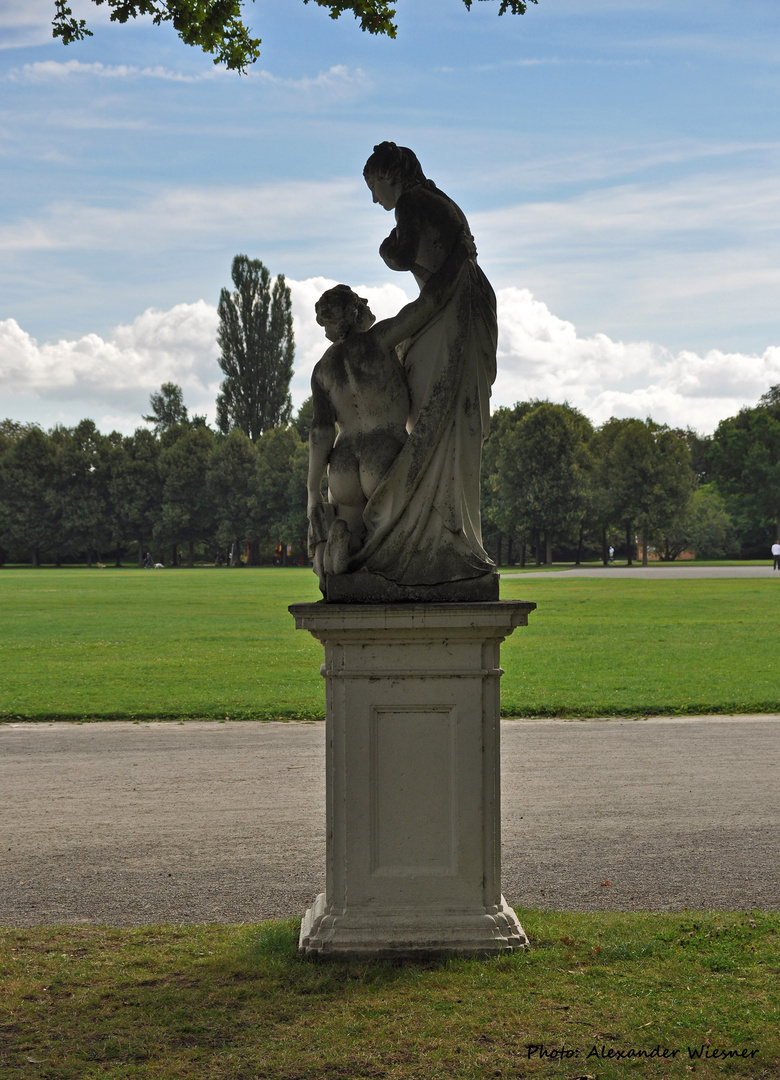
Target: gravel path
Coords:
[[679, 570], [127, 824]]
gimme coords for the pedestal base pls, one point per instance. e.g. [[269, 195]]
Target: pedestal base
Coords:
[[408, 934], [412, 780]]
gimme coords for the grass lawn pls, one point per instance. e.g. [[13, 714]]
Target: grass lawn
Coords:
[[601, 996], [236, 1003], [81, 644]]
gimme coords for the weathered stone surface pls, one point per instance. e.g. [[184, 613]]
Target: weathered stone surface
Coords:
[[363, 587], [412, 779], [402, 442]]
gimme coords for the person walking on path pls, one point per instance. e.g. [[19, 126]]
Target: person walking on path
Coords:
[[776, 555]]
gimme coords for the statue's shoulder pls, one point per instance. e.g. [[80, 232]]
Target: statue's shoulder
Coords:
[[330, 360], [415, 199]]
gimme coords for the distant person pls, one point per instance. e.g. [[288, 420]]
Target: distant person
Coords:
[[148, 561], [776, 555], [611, 553]]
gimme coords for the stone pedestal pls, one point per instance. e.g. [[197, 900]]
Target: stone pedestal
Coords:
[[413, 780]]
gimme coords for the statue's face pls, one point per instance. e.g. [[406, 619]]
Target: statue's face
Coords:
[[385, 192], [335, 329]]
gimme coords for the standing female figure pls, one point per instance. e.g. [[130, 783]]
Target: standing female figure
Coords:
[[423, 520]]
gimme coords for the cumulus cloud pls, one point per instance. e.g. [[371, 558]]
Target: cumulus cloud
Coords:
[[540, 356], [110, 380], [543, 356]]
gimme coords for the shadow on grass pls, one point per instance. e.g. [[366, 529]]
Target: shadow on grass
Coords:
[[238, 1003]]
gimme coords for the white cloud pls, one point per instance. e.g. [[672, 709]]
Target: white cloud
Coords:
[[686, 260], [735, 203], [286, 211], [29, 22], [337, 78], [47, 70], [110, 380], [540, 356], [24, 23], [543, 356]]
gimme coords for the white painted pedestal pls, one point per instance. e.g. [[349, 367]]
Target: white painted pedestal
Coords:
[[413, 780]]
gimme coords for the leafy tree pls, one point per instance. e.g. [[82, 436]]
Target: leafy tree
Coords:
[[167, 408], [644, 474], [499, 518], [281, 488], [187, 512], [303, 419], [542, 469], [710, 530], [256, 338], [704, 526], [81, 497], [745, 464], [232, 482], [672, 480], [28, 516], [136, 488], [623, 447], [218, 28]]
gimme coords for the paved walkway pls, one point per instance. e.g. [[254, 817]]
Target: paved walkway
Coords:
[[128, 824], [678, 570]]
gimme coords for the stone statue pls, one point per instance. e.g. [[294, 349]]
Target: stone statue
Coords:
[[361, 404], [403, 519]]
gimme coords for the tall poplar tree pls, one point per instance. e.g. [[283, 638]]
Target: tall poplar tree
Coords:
[[256, 338]]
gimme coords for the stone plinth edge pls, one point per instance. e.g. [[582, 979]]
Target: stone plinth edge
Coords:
[[498, 616], [405, 935]]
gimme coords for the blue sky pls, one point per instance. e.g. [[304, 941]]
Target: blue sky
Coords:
[[617, 160]]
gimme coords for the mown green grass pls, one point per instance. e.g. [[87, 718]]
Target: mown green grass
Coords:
[[219, 643], [236, 1003], [601, 647]]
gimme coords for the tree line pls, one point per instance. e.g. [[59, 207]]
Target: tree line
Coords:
[[233, 495], [553, 485], [180, 492], [552, 482]]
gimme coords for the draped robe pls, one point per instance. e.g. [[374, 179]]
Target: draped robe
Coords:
[[423, 520]]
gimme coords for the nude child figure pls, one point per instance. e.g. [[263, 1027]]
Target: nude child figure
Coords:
[[361, 407]]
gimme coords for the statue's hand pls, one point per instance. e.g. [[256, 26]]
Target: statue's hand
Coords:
[[321, 516]]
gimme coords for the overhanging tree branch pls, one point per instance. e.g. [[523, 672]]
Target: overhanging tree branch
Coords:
[[217, 26]]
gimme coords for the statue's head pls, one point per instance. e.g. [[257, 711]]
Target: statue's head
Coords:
[[390, 171], [340, 311]]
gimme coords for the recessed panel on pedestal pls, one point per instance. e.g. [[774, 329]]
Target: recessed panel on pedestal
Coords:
[[414, 826]]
